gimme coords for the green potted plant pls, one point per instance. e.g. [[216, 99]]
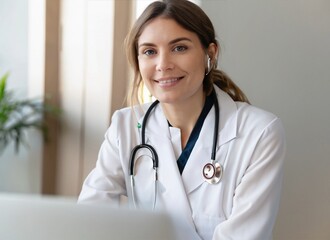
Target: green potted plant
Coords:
[[16, 116]]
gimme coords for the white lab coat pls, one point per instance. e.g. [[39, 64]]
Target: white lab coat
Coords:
[[244, 205]]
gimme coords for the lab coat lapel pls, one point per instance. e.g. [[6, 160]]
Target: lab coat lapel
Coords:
[[192, 175], [171, 194]]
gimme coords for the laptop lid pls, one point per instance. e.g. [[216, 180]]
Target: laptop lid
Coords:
[[49, 218]]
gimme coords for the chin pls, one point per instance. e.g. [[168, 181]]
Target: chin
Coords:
[[167, 99]]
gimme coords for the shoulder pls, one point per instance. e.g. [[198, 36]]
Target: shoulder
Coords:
[[250, 113], [130, 113], [126, 119], [248, 118], [256, 123]]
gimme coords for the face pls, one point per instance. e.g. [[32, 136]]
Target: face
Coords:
[[171, 62]]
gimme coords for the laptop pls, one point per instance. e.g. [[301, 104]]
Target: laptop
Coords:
[[26, 217]]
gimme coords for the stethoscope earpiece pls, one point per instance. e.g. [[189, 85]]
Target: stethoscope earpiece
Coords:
[[213, 172]]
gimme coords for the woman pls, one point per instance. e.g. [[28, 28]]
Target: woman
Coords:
[[219, 172]]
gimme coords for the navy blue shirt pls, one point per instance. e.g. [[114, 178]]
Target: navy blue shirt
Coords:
[[183, 159]]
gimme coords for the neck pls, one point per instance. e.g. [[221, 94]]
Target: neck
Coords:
[[184, 116]]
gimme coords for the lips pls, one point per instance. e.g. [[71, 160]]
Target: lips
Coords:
[[168, 81]]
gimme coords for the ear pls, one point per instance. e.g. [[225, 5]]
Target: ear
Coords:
[[212, 52]]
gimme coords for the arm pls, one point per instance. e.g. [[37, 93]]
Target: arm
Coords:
[[257, 196], [106, 182]]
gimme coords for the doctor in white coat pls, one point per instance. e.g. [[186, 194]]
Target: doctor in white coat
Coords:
[[173, 51]]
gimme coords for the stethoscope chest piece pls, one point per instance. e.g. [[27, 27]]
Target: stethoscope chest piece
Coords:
[[213, 172]]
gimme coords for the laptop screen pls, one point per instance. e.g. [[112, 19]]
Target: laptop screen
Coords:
[[24, 217]]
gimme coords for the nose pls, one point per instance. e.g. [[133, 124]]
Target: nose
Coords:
[[164, 62]]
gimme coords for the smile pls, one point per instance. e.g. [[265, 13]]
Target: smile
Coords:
[[168, 80]]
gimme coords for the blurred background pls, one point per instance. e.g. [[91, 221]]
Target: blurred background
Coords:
[[71, 52]]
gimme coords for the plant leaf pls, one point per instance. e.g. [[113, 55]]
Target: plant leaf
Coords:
[[17, 116], [3, 82]]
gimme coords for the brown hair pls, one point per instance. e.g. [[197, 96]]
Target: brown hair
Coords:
[[191, 17]]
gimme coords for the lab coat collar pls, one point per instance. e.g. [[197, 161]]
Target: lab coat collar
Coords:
[[227, 127], [228, 117], [203, 148]]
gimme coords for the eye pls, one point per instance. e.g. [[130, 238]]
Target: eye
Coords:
[[149, 52], [180, 48]]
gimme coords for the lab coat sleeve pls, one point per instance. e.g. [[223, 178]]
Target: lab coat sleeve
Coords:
[[257, 195], [105, 183]]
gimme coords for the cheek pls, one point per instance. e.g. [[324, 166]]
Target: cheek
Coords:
[[146, 73], [144, 69], [197, 67], [144, 64], [141, 67]]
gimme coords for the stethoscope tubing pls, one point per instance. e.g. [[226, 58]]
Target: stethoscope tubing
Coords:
[[143, 144], [154, 157], [216, 125], [217, 167]]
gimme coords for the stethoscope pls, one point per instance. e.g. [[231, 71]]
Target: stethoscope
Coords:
[[212, 171]]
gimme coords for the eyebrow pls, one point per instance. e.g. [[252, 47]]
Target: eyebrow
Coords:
[[170, 43]]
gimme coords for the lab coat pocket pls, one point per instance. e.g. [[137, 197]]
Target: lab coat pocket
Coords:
[[206, 224]]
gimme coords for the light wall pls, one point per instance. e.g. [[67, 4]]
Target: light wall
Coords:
[[81, 41], [278, 53], [93, 83], [19, 172]]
